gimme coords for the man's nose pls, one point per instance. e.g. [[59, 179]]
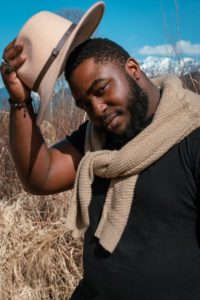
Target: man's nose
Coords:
[[99, 108]]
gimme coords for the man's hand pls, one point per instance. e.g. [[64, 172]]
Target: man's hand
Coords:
[[13, 59]]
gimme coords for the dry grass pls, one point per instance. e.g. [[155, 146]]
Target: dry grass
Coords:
[[38, 258]]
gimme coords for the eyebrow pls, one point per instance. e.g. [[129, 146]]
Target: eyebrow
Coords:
[[95, 82], [89, 90]]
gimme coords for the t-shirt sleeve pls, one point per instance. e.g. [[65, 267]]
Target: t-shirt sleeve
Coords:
[[195, 150], [77, 138], [190, 155]]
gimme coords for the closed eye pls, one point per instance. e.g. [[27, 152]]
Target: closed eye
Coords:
[[100, 91], [83, 105]]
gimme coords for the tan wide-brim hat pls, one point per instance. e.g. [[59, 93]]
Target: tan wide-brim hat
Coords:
[[48, 40]]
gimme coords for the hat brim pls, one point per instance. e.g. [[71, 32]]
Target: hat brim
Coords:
[[82, 31]]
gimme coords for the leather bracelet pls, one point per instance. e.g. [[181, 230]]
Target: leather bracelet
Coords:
[[18, 105]]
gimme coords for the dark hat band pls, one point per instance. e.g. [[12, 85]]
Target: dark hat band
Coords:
[[53, 56]]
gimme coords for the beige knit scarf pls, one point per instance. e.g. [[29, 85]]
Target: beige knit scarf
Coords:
[[177, 115]]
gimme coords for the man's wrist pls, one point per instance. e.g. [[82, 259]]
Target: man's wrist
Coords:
[[15, 105]]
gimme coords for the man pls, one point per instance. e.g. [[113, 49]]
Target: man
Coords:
[[142, 249]]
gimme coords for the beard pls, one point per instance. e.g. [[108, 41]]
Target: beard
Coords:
[[137, 107]]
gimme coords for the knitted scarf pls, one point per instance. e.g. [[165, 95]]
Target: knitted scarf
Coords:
[[177, 115]]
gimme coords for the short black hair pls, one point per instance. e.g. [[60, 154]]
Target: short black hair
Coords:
[[102, 50]]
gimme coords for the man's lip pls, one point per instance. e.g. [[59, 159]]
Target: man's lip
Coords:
[[109, 118]]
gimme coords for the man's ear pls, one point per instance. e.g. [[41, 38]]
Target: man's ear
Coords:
[[132, 68]]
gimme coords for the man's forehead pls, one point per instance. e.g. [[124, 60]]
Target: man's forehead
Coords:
[[95, 68]]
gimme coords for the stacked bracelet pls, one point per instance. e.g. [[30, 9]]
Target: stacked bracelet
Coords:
[[18, 105]]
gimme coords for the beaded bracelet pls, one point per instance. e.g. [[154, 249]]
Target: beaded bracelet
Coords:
[[18, 105]]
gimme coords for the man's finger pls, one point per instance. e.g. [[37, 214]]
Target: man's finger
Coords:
[[9, 67], [5, 68], [10, 45], [12, 52]]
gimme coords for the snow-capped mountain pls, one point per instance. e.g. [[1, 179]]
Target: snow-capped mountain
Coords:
[[154, 66]]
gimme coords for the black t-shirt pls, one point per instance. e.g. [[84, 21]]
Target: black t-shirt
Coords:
[[158, 256]]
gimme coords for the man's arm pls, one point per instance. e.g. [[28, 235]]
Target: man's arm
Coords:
[[42, 170]]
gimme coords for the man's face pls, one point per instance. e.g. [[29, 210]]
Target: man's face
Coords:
[[111, 97]]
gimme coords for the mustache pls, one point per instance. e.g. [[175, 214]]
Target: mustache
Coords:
[[108, 117]]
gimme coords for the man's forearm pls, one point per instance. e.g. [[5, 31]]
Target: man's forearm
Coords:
[[28, 148]]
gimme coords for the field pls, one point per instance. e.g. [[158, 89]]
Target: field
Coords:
[[38, 257]]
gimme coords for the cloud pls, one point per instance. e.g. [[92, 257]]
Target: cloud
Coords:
[[183, 47]]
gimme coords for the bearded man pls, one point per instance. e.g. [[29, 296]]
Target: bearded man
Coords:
[[135, 170]]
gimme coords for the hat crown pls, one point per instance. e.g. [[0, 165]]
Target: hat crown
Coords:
[[40, 34]]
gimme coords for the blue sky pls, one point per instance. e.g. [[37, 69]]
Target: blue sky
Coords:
[[144, 28]]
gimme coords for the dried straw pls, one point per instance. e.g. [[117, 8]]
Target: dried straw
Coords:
[[38, 258]]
